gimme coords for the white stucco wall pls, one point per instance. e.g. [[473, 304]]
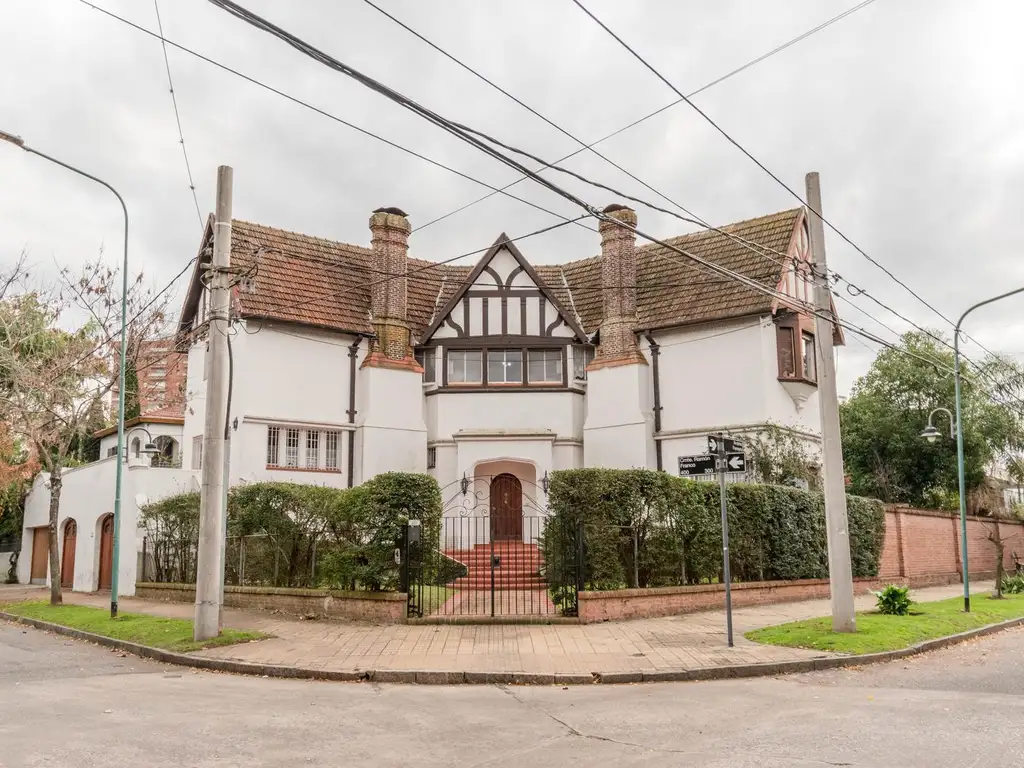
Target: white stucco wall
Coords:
[[725, 377], [87, 496]]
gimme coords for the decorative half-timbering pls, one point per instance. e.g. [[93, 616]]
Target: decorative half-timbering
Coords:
[[504, 302]]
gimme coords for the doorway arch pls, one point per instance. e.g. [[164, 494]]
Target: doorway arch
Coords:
[[67, 560], [106, 551], [506, 508]]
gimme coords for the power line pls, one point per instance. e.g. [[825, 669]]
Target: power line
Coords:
[[757, 162], [318, 110], [476, 138], [177, 116], [706, 86]]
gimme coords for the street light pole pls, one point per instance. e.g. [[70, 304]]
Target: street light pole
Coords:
[[960, 440], [19, 142]]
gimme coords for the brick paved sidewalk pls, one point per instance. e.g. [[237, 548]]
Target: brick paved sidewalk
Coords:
[[691, 641]]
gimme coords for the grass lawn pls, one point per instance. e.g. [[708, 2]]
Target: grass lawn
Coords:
[[434, 597], [154, 631], [876, 632]]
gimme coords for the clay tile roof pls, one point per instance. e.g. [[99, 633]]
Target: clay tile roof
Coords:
[[313, 281], [673, 290], [172, 414]]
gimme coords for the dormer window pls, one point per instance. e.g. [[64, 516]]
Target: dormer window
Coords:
[[795, 347]]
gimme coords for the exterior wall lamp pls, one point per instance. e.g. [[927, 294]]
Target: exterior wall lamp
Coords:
[[931, 434], [464, 484], [150, 448], [545, 482]]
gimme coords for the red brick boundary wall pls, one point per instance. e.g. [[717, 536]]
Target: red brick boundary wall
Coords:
[[921, 548], [377, 607], [921, 544]]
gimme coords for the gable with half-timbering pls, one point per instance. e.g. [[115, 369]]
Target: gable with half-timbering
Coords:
[[503, 297]]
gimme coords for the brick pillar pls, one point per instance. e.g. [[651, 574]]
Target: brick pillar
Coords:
[[389, 290], [618, 344]]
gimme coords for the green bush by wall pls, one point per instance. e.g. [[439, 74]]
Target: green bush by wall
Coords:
[[301, 535], [775, 532]]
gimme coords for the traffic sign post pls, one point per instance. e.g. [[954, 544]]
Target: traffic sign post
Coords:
[[725, 454]]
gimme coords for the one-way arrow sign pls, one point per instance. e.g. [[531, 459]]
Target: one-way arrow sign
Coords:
[[735, 462], [729, 444]]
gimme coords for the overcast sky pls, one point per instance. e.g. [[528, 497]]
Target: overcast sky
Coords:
[[909, 109]]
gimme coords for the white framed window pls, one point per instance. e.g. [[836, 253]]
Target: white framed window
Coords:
[[427, 358], [291, 448], [197, 452], [582, 356], [312, 449], [273, 446], [465, 366], [431, 457], [331, 449], [505, 366], [545, 366], [807, 350]]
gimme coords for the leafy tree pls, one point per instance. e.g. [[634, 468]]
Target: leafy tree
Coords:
[[132, 406], [882, 421], [57, 367]]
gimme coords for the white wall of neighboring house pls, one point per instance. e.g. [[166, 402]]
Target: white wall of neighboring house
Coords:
[[87, 496], [109, 442]]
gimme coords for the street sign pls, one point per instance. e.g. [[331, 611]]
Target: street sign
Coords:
[[701, 464], [730, 444], [735, 462]]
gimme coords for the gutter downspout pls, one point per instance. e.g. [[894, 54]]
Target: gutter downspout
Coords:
[[655, 353], [353, 350]]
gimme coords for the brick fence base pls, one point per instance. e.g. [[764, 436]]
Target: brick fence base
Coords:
[[377, 607]]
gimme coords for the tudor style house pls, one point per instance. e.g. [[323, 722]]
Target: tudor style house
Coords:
[[350, 361]]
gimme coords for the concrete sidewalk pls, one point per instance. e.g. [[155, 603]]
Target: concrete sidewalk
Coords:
[[671, 644]]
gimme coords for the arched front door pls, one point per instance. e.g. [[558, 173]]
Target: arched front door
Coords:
[[106, 551], [67, 561], [506, 508]]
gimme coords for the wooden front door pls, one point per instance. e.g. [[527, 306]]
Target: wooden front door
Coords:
[[40, 554], [506, 508], [67, 562], [106, 551]]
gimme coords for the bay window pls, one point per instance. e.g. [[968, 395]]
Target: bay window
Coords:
[[465, 366]]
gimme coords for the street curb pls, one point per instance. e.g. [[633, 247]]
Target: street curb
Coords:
[[439, 677]]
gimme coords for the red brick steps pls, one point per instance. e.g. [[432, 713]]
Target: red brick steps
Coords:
[[518, 567]]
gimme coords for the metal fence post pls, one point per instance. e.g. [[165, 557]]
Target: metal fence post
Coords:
[[144, 542], [312, 566], [241, 561], [636, 563]]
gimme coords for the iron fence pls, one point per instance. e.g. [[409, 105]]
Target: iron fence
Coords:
[[256, 560]]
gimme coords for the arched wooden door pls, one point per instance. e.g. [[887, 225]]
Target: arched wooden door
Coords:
[[106, 551], [67, 560], [506, 508]]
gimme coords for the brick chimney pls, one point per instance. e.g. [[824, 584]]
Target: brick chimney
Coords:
[[618, 280], [388, 288]]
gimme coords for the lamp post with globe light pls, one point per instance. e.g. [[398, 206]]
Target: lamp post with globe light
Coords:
[[115, 566], [931, 435]]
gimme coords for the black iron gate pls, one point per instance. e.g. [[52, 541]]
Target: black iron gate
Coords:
[[487, 561]]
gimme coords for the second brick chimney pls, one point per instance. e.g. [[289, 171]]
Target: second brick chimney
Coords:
[[618, 289], [389, 288]]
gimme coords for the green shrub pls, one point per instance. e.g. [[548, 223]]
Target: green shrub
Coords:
[[893, 600], [350, 533], [1013, 585], [775, 532]]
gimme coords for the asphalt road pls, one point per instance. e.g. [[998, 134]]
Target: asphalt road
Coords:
[[67, 703]]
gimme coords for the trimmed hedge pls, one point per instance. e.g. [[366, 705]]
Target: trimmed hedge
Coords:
[[775, 532], [351, 533]]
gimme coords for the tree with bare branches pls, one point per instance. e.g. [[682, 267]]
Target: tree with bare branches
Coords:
[[56, 366]]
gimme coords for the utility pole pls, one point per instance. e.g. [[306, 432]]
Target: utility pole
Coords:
[[840, 569], [212, 509]]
